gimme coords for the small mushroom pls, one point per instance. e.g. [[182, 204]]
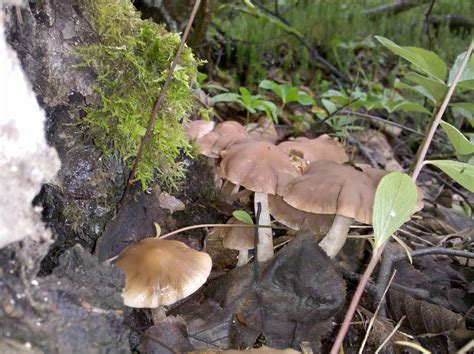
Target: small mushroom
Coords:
[[198, 128], [223, 136], [328, 187], [310, 150], [161, 272], [260, 167], [238, 238]]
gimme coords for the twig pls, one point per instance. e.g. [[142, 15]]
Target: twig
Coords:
[[434, 251], [421, 154], [450, 186], [160, 99], [372, 320], [393, 8], [390, 335], [375, 118], [427, 24], [200, 226], [364, 151]]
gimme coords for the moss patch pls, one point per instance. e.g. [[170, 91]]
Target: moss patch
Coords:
[[131, 59]]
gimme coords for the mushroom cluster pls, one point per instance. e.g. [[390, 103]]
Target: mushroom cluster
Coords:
[[303, 183]]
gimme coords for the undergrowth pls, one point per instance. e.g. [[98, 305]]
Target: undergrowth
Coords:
[[339, 29], [131, 60]]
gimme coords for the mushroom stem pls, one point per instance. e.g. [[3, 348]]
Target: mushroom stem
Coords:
[[243, 258], [265, 237], [335, 239], [158, 314]]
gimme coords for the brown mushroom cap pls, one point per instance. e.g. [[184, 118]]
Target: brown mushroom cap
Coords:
[[198, 128], [319, 224], [263, 131], [328, 187], [161, 272], [258, 166], [223, 136], [310, 150], [237, 238]]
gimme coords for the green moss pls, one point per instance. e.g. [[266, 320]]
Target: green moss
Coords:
[[131, 59]]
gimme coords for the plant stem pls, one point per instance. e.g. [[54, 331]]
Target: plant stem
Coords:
[[160, 99], [355, 300], [437, 115]]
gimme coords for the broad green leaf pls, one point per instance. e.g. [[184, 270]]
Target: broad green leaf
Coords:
[[468, 106], [465, 109], [436, 89], [267, 84], [468, 73], [417, 89], [329, 106], [337, 96], [395, 200], [243, 216], [291, 95], [424, 60], [305, 99], [458, 140], [462, 173], [408, 106], [226, 97]]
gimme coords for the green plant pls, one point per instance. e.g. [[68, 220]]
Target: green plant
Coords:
[[131, 60], [396, 193], [251, 103], [287, 93]]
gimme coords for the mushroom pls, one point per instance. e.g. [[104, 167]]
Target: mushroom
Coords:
[[198, 128], [261, 167], [328, 187], [238, 238], [318, 224], [223, 136], [310, 150], [161, 272]]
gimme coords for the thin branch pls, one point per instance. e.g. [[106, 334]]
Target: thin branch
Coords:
[[378, 119], [160, 99], [372, 320], [392, 9], [200, 226], [390, 335]]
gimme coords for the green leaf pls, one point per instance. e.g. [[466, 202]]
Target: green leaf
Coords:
[[291, 95], [462, 173], [267, 84], [468, 73], [436, 89], [243, 216], [395, 200], [329, 106], [408, 106], [458, 140], [305, 99], [226, 97], [417, 89], [424, 60], [465, 109]]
